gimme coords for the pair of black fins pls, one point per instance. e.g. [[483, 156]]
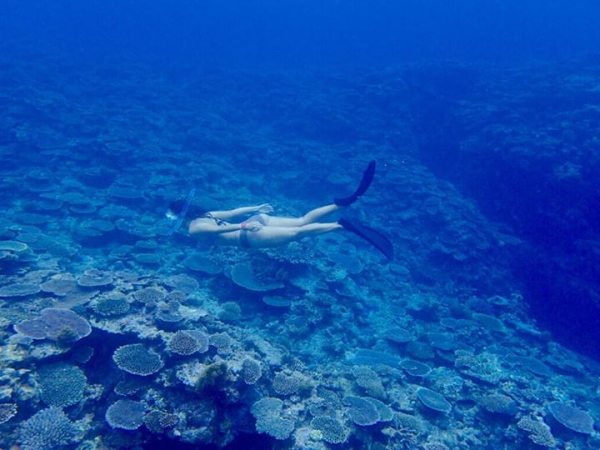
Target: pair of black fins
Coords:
[[374, 237]]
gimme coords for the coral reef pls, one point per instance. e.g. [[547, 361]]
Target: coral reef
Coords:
[[137, 360], [572, 418], [332, 431], [126, 414], [61, 384], [48, 429], [60, 325], [116, 334], [267, 413], [188, 342]]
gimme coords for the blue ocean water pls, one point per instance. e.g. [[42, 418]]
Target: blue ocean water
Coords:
[[450, 300]]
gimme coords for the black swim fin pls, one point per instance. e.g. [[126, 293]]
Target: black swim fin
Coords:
[[367, 178], [383, 244]]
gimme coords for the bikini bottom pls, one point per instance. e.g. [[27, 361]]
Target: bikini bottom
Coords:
[[244, 242]]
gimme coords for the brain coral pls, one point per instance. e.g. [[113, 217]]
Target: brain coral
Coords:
[[62, 384], [48, 429], [126, 414], [137, 360], [188, 342], [572, 418], [267, 413]]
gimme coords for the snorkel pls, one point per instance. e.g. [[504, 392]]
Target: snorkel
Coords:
[[181, 215]]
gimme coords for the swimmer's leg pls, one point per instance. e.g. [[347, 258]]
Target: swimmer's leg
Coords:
[[309, 217], [316, 229], [276, 236]]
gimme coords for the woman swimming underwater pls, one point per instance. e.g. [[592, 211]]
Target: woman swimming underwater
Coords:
[[261, 229]]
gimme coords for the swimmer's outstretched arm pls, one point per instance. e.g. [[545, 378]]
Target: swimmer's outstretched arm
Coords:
[[232, 213], [199, 226]]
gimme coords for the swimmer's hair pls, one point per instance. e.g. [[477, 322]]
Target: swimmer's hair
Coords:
[[176, 207]]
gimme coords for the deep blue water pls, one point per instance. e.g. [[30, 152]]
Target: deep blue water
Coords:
[[321, 33], [119, 331]]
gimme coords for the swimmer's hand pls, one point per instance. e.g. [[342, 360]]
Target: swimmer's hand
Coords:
[[265, 208], [252, 226]]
